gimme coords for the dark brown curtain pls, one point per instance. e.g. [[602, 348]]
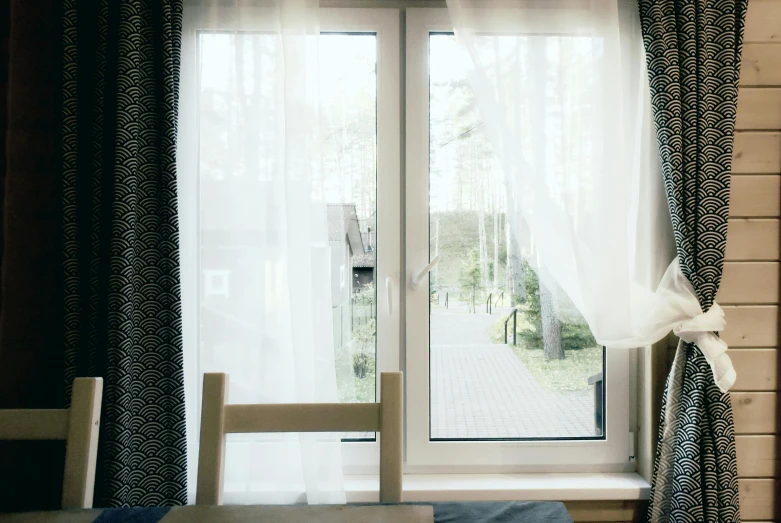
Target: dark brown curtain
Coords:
[[31, 355]]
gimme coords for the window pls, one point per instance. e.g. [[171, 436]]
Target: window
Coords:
[[217, 282], [476, 399], [479, 396], [226, 180]]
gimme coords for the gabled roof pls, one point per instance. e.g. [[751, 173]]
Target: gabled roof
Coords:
[[366, 259], [343, 222]]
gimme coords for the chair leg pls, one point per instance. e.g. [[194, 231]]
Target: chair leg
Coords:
[[211, 452], [81, 447], [391, 443]]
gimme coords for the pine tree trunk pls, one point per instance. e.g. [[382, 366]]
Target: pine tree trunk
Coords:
[[508, 271], [551, 326], [496, 248], [516, 263], [480, 202], [482, 247], [436, 253]]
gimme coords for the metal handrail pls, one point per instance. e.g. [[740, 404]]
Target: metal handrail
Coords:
[[501, 297], [488, 307], [512, 315], [447, 295]]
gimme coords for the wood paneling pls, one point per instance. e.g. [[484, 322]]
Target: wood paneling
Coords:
[[755, 412], [759, 108], [582, 511], [758, 456], [763, 21], [751, 326], [760, 65], [749, 283], [756, 153], [755, 196], [758, 499], [757, 369], [752, 240]]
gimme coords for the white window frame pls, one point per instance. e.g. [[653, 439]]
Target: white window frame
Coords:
[[402, 341], [364, 457], [358, 457], [609, 455]]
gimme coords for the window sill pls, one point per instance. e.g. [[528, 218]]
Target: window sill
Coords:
[[506, 487]]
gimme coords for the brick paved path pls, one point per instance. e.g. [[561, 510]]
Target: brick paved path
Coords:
[[485, 391], [482, 390]]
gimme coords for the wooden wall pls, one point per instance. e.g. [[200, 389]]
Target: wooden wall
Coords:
[[594, 511], [750, 287]]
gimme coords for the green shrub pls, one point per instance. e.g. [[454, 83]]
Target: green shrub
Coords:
[[576, 336], [365, 295], [363, 364], [364, 335], [350, 387]]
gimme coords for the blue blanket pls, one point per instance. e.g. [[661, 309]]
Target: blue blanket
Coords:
[[437, 512]]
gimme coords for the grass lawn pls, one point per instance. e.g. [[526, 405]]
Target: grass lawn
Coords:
[[569, 374], [350, 388]]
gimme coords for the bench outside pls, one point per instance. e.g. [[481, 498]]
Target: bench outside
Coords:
[[599, 403]]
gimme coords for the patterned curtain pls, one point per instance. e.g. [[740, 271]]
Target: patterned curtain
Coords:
[[121, 250], [693, 52]]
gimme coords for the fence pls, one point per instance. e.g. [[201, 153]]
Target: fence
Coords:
[[363, 313], [347, 317], [341, 325]]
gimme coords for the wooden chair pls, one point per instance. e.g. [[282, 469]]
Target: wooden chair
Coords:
[[78, 426], [219, 419]]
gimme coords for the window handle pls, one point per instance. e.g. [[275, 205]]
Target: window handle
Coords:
[[422, 274], [389, 294]]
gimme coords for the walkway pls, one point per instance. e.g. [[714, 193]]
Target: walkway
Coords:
[[482, 390]]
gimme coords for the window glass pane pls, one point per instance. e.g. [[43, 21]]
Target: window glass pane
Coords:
[[241, 294], [242, 254], [508, 359], [349, 141]]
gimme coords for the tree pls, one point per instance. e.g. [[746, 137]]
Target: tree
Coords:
[[540, 311], [470, 276], [496, 245], [551, 326], [560, 337], [518, 266]]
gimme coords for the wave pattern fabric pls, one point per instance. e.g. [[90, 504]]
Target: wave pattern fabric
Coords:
[[693, 50], [120, 239]]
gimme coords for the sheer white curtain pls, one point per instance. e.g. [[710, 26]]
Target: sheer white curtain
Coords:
[[562, 88], [255, 254]]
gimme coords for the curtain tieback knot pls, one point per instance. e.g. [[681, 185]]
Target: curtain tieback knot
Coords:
[[700, 331]]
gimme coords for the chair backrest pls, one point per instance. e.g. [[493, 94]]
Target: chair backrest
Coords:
[[78, 426], [219, 419]]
